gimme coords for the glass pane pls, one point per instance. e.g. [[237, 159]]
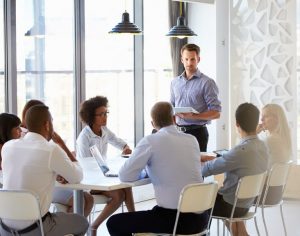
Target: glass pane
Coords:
[[109, 64], [2, 86], [298, 77], [45, 61], [157, 57]]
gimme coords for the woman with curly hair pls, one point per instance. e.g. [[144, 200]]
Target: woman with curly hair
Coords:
[[93, 113]]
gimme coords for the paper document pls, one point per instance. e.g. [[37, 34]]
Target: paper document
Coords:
[[184, 110]]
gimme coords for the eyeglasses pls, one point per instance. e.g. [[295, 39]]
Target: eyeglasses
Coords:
[[101, 114]]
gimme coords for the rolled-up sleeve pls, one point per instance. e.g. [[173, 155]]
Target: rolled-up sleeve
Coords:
[[211, 96]]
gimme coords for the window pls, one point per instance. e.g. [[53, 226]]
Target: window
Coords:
[[2, 85], [45, 63], [109, 64], [157, 57], [298, 77]]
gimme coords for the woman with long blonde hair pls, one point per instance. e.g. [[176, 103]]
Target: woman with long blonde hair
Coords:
[[278, 137]]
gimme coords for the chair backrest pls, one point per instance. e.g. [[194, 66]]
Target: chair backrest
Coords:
[[279, 173], [196, 198], [277, 178], [20, 205], [250, 186]]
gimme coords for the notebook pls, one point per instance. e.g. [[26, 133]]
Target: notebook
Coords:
[[101, 162]]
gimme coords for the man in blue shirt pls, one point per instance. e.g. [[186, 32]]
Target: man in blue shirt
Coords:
[[194, 89], [249, 157], [172, 160]]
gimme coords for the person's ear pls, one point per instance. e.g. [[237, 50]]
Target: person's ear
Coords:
[[47, 126], [152, 123], [198, 59], [174, 119], [181, 59]]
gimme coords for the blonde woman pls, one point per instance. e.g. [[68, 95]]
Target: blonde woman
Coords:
[[278, 139], [277, 133]]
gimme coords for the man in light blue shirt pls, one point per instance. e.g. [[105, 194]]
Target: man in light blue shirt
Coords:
[[249, 157], [172, 160], [194, 89]]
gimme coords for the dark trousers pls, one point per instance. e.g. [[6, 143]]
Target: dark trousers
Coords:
[[157, 220], [201, 135], [224, 209]]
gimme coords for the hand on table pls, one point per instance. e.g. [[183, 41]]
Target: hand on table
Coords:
[[126, 150], [61, 179], [205, 158]]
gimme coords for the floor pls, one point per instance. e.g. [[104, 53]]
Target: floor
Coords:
[[291, 214]]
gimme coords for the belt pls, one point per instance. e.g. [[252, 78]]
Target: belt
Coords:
[[185, 128], [27, 229]]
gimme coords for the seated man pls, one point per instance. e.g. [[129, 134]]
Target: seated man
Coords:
[[249, 157], [32, 163], [171, 159]]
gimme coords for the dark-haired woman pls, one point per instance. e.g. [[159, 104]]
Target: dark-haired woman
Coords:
[[9, 129]]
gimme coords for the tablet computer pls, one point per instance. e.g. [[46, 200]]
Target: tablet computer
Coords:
[[220, 152]]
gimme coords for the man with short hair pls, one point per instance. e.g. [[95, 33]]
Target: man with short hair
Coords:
[[249, 157], [33, 163], [194, 89], [171, 159]]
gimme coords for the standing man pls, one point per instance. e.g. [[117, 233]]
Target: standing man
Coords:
[[33, 163], [194, 89], [171, 159]]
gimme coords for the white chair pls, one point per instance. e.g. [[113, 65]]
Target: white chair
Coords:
[[20, 205], [277, 178], [194, 198], [248, 187]]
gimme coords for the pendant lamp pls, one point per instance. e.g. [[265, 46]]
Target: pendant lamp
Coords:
[[125, 27], [181, 30]]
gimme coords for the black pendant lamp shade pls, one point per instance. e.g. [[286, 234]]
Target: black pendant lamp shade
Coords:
[[126, 26], [181, 30]]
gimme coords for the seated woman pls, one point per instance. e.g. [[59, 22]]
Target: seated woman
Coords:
[[9, 129], [61, 196], [278, 139], [93, 113]]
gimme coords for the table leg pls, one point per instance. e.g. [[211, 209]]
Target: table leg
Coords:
[[78, 202]]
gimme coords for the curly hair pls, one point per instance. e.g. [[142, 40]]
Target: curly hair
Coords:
[[88, 107], [7, 123]]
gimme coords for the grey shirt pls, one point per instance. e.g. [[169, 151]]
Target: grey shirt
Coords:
[[250, 157]]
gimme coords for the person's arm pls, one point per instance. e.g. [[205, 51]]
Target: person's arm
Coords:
[[126, 150], [207, 115], [172, 95], [133, 167], [58, 140], [62, 165], [227, 162], [117, 142]]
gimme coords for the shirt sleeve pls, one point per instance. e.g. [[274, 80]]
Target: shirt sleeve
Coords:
[[133, 167], [172, 95], [82, 146], [211, 96], [115, 141], [62, 165], [226, 162]]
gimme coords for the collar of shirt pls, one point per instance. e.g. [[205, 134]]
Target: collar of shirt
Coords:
[[197, 75], [93, 135], [245, 139], [170, 128], [34, 136]]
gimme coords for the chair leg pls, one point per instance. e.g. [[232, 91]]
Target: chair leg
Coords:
[[218, 226], [281, 211], [264, 220], [256, 226]]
